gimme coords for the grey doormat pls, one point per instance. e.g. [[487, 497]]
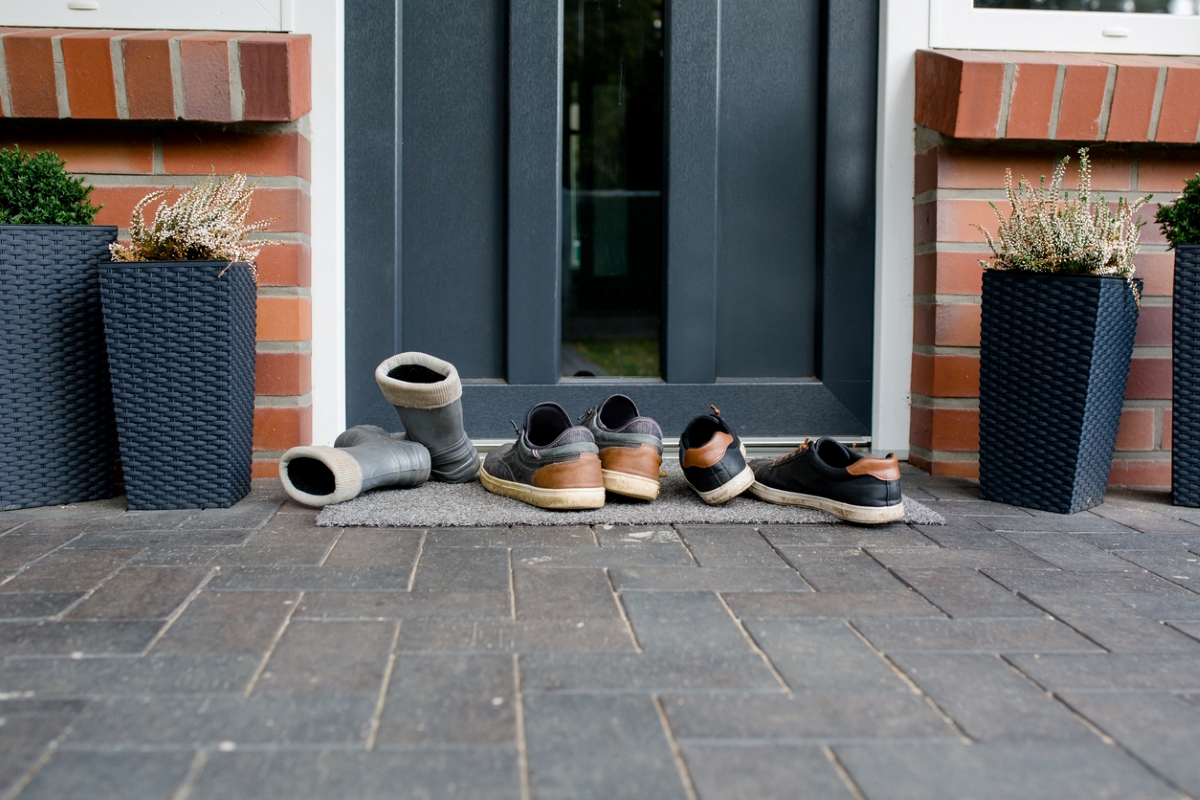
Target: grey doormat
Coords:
[[436, 505]]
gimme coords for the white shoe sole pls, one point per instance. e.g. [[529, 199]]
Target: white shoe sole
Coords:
[[726, 492], [634, 486], [864, 515], [560, 499]]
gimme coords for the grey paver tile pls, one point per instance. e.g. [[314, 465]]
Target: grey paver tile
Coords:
[[293, 529], [558, 593], [24, 605], [228, 622], [404, 605], [98, 509], [1001, 771], [17, 551], [964, 593], [760, 770], [689, 621], [248, 514], [1077, 605], [92, 638], [1144, 519], [895, 535], [824, 655], [193, 673], [29, 725], [843, 605], [946, 488], [1132, 634], [1033, 581], [610, 746], [517, 536], [301, 555], [1191, 628], [140, 521], [1161, 729], [977, 508], [160, 539], [974, 635], [1115, 672], [1164, 607], [647, 555], [1083, 522], [171, 555], [804, 716], [1179, 566], [70, 570], [293, 578], [370, 547], [450, 699], [859, 573], [968, 536], [476, 773], [990, 700], [83, 776], [1135, 540], [527, 635], [943, 558], [321, 657], [655, 671], [732, 546], [140, 593], [718, 579], [635, 535], [444, 569], [1070, 551]]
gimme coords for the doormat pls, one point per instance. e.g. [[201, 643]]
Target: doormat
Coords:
[[436, 505]]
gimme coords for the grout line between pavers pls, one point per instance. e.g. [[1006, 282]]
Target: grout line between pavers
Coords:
[[785, 559], [412, 575], [687, 547], [621, 608], [512, 588], [19, 525], [522, 747], [188, 782], [899, 578], [754, 645], [1177, 629], [82, 598], [178, 612], [843, 773], [377, 717], [1087, 723], [685, 775], [47, 753], [262, 665], [332, 545], [26, 566]]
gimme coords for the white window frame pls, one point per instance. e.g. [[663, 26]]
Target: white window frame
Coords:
[[958, 25], [200, 15]]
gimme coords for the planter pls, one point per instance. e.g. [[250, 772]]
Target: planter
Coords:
[[58, 439], [1185, 400], [180, 340], [1054, 359]]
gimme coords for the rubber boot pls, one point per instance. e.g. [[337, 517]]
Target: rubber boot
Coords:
[[362, 458], [427, 395]]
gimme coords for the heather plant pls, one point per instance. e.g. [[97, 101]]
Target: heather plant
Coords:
[[1078, 235], [1180, 220], [207, 223], [36, 189]]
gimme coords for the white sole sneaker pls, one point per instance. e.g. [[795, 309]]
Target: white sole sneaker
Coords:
[[864, 515], [560, 499], [634, 486], [726, 492]]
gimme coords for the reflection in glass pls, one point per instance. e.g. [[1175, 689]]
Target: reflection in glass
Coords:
[[1186, 8], [612, 187]]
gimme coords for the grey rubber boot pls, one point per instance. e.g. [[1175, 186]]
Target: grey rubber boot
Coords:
[[362, 458], [427, 395]]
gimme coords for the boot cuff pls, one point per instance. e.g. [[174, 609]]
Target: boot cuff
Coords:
[[411, 394], [332, 464]]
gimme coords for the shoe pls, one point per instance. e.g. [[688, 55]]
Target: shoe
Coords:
[[552, 464], [829, 476], [630, 447], [427, 395], [362, 458], [713, 459]]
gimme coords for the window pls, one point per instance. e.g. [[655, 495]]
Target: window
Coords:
[[227, 15], [1150, 27]]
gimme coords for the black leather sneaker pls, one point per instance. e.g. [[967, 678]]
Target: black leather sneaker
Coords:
[[831, 477], [713, 459], [630, 447]]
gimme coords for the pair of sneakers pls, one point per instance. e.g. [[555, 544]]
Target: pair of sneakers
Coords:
[[825, 474], [557, 464]]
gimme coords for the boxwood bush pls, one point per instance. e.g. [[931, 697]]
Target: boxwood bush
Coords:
[[36, 189], [1180, 221]]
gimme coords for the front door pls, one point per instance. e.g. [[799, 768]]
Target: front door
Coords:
[[668, 198]]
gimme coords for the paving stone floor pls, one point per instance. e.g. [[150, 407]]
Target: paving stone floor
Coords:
[[246, 653]]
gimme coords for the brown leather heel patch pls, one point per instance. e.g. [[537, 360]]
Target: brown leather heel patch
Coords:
[[582, 473], [708, 454], [885, 469], [642, 461]]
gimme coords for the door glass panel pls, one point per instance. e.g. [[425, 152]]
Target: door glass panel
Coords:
[[1187, 8], [612, 184]]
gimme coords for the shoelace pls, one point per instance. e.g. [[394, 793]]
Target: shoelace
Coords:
[[584, 417], [789, 456]]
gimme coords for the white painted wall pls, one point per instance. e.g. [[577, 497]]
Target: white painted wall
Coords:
[[323, 19]]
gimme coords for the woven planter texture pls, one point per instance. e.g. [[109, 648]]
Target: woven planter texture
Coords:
[[180, 340], [58, 438], [1054, 359], [1185, 400]]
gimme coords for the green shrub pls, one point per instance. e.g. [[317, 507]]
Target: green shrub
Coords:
[[1180, 221], [36, 189]]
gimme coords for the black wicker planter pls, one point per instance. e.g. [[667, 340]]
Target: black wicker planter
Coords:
[[1054, 360], [1185, 400], [58, 438], [181, 348]]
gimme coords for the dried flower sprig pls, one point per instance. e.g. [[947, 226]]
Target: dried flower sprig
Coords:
[[207, 223], [1074, 236]]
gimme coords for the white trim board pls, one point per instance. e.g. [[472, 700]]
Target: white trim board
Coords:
[[202, 15]]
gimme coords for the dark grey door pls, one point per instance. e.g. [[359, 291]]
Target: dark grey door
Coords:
[[479, 230]]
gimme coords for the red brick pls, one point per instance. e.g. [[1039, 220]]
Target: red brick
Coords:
[[948, 429], [29, 58], [1146, 474], [960, 273], [956, 469], [938, 78], [963, 169], [277, 428], [1136, 431], [1165, 442], [285, 265], [87, 62], [292, 206], [1032, 99], [925, 171], [1179, 116], [1157, 270], [959, 93], [276, 76], [949, 325], [1154, 326], [925, 222], [925, 273], [206, 82], [196, 151], [284, 319], [1167, 173], [1151, 233], [956, 220], [149, 82], [1149, 378], [919, 461], [119, 202], [93, 150], [283, 374], [264, 468], [945, 375], [1132, 103], [1082, 102]]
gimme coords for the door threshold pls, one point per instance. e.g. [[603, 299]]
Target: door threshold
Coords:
[[756, 446]]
